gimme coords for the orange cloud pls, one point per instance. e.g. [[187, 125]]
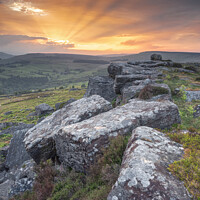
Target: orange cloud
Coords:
[[101, 26]]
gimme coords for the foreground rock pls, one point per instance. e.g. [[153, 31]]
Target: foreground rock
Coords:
[[39, 140], [17, 154], [16, 173], [102, 86], [144, 174], [78, 144], [193, 95]]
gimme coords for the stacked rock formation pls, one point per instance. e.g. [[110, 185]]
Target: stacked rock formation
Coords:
[[76, 134]]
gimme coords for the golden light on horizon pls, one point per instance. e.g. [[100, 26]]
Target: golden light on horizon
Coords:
[[98, 27]]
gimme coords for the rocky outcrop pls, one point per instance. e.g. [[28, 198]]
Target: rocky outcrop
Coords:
[[16, 173], [39, 140], [158, 91], [102, 86], [17, 154], [156, 57], [122, 80], [144, 173], [192, 95], [78, 144]]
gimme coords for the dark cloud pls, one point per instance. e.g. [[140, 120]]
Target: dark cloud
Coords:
[[7, 39]]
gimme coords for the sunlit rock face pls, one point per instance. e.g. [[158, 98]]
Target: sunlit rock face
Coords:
[[144, 173]]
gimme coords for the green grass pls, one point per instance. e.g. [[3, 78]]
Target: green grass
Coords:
[[71, 185], [18, 105], [188, 168], [5, 140], [30, 72]]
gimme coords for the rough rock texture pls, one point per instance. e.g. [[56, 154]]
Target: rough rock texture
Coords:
[[193, 95], [17, 180], [43, 109], [78, 144], [121, 80], [16, 173], [144, 174], [196, 111], [131, 92], [156, 57], [102, 86], [62, 104], [39, 140], [24, 178], [17, 153]]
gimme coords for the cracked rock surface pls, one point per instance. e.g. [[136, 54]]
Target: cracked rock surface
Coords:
[[39, 140], [143, 174], [78, 144]]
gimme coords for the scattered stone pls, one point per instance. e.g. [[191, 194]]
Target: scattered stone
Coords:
[[192, 95], [8, 113], [102, 86], [62, 104], [39, 140], [43, 109], [15, 127], [156, 57], [144, 173], [17, 153], [197, 111], [78, 144]]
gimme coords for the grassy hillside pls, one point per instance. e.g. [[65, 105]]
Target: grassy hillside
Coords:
[[22, 105], [5, 55], [40, 71]]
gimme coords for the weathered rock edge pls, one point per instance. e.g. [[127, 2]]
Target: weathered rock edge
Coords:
[[39, 140], [77, 145], [144, 174]]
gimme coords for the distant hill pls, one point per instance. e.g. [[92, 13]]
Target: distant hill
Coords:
[[5, 55], [182, 57], [41, 71]]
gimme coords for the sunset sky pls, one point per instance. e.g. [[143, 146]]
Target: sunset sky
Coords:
[[99, 26]]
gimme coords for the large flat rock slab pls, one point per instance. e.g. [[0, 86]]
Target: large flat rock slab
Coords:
[[39, 140], [143, 174], [77, 145]]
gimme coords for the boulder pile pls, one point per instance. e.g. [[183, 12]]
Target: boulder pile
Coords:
[[76, 134]]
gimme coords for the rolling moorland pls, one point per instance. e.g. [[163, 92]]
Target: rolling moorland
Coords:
[[24, 73], [72, 185]]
